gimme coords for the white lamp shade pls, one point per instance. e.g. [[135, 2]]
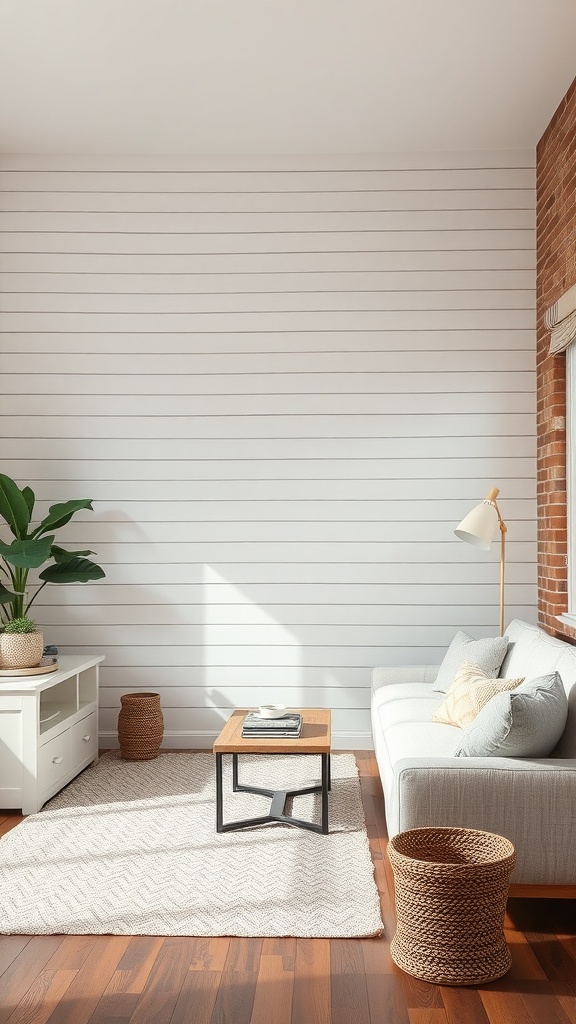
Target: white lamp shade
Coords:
[[479, 526]]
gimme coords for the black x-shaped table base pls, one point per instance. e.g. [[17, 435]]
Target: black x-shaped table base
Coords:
[[278, 798]]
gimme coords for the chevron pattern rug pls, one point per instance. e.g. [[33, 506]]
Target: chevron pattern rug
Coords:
[[131, 848]]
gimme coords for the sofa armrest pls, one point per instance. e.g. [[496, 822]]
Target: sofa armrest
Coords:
[[390, 674], [531, 802]]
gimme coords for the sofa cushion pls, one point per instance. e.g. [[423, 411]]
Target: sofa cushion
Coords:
[[487, 653], [471, 690], [404, 702], [526, 722], [533, 652], [420, 739]]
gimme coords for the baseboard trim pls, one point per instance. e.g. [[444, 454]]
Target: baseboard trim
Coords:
[[542, 892]]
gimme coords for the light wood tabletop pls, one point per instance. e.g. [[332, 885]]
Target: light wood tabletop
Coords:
[[314, 738]]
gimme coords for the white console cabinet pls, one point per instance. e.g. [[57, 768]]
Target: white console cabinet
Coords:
[[48, 730]]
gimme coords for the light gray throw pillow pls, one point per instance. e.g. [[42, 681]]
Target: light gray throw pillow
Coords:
[[488, 654], [525, 722]]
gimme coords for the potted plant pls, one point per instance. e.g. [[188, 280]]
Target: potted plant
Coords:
[[21, 644], [32, 547]]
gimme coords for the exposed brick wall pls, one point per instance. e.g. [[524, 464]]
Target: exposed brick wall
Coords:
[[556, 272]]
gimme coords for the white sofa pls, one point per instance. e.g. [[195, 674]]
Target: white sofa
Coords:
[[531, 801]]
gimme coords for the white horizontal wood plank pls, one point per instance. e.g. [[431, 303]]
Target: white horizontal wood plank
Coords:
[[165, 514], [258, 644], [316, 301], [284, 342], [325, 493], [327, 163], [270, 263], [510, 169], [73, 405], [425, 645], [482, 570], [327, 580], [283, 528], [321, 320], [170, 285], [249, 620], [222, 599], [275, 222], [282, 385], [257, 364], [225, 450], [276, 531], [296, 242], [178, 478], [207, 677], [285, 602], [64, 201], [331, 552], [278, 436]]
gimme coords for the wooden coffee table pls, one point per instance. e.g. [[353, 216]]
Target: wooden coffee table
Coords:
[[314, 739]]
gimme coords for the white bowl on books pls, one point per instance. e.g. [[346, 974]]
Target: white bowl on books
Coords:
[[272, 710]]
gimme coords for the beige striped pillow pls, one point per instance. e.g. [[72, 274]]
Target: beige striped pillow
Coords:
[[468, 694]]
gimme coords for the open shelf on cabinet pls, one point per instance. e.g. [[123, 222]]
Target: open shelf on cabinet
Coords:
[[48, 730]]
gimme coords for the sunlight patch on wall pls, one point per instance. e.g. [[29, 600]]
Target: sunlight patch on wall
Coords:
[[241, 635]]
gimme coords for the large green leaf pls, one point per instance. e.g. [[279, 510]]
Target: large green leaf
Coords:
[[29, 498], [27, 554], [61, 555], [6, 596], [13, 507], [75, 570], [60, 514]]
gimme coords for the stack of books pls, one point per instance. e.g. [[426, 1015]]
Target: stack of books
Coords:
[[255, 727]]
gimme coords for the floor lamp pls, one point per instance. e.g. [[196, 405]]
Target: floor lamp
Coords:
[[478, 528]]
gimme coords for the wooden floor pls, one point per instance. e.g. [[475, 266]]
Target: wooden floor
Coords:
[[149, 980]]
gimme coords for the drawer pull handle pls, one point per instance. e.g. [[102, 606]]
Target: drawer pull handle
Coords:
[[86, 738], [57, 760]]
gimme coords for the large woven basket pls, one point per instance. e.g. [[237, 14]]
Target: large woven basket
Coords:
[[140, 726], [451, 892]]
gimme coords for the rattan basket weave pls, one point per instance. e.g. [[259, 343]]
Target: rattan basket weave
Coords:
[[140, 726], [21, 650], [451, 891]]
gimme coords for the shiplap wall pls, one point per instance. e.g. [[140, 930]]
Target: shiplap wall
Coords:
[[283, 384]]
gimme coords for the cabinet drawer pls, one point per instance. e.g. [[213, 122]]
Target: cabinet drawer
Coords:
[[83, 740], [53, 760]]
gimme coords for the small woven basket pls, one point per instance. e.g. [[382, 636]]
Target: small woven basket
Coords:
[[451, 892], [21, 650], [140, 726]]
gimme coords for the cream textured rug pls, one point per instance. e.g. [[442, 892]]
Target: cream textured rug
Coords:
[[131, 848]]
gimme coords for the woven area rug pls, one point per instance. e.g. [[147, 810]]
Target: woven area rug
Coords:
[[131, 848]]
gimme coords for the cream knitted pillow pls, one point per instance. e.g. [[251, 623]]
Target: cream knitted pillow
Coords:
[[468, 694]]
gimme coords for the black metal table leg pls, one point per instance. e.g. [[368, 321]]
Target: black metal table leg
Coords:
[[278, 799], [219, 819], [325, 788]]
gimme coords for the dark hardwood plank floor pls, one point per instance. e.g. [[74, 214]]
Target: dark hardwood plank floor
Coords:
[[104, 979]]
